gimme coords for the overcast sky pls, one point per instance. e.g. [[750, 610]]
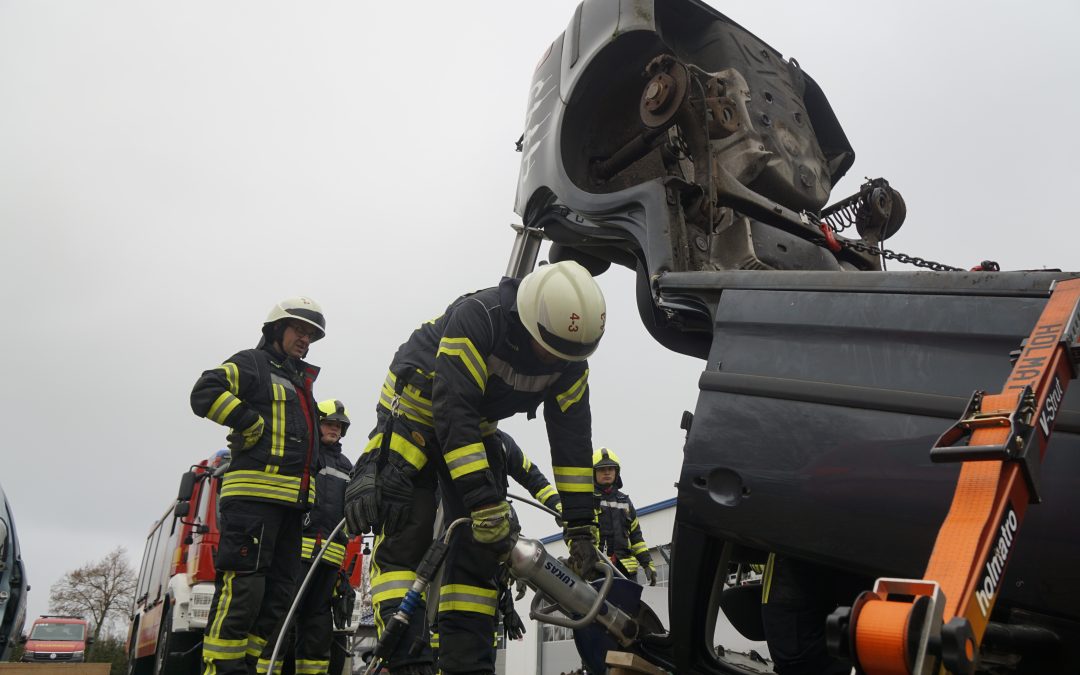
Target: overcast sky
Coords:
[[170, 170]]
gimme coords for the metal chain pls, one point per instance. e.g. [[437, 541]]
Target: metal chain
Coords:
[[899, 257], [889, 255]]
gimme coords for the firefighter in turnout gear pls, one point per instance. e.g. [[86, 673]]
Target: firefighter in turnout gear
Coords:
[[264, 395], [493, 353], [508, 460], [314, 624], [620, 533]]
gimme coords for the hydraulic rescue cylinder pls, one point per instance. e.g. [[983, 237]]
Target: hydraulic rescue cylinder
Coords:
[[577, 599]]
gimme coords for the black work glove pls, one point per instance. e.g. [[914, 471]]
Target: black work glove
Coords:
[[362, 502], [650, 573], [581, 540], [395, 499], [343, 601], [520, 586], [512, 623], [241, 440]]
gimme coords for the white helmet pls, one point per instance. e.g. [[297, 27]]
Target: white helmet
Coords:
[[563, 308], [301, 309]]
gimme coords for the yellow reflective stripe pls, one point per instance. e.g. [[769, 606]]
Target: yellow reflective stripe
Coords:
[[640, 547], [631, 564], [434, 641], [467, 459], [464, 349], [401, 445], [223, 405], [335, 552], [232, 374], [526, 463], [277, 438], [260, 484], [263, 666], [545, 493], [634, 525], [407, 405], [465, 598], [573, 478], [390, 585], [217, 648], [311, 667], [488, 428], [766, 583], [255, 645], [262, 477], [574, 393], [224, 601]]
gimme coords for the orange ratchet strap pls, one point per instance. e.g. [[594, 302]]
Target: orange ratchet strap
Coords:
[[936, 624]]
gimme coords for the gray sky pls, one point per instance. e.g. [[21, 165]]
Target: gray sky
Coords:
[[169, 170]]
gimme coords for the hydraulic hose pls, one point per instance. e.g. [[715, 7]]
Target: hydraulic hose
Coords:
[[300, 594]]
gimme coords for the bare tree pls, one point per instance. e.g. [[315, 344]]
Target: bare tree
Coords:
[[101, 591]]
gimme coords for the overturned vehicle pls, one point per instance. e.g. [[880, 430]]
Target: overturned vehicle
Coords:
[[664, 137]]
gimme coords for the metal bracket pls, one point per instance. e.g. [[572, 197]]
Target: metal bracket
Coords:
[[1016, 449]]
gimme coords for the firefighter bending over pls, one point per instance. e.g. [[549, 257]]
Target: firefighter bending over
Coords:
[[620, 533], [264, 395], [492, 354]]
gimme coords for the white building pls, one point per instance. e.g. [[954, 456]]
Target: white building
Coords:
[[549, 650]]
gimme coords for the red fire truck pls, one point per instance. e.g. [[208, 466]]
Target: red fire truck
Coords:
[[176, 578]]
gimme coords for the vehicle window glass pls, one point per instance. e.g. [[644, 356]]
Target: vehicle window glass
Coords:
[[58, 631], [161, 552], [144, 569]]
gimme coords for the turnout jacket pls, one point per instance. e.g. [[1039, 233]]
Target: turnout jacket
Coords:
[[262, 383], [519, 467], [620, 533], [329, 509], [474, 365]]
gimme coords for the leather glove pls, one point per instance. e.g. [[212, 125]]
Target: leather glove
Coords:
[[343, 601], [362, 502], [395, 499], [650, 572], [581, 540], [512, 623], [558, 507], [491, 527], [240, 441]]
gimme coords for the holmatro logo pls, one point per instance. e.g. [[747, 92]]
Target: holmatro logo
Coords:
[[995, 563]]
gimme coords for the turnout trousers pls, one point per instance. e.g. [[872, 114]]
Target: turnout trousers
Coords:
[[315, 622], [467, 598], [258, 568]]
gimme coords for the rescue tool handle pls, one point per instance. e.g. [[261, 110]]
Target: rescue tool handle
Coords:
[[544, 614]]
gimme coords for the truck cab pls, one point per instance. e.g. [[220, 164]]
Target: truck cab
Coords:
[[57, 639]]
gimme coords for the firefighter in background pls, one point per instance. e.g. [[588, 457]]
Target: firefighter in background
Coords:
[[517, 465], [620, 533], [492, 354], [264, 395], [313, 621]]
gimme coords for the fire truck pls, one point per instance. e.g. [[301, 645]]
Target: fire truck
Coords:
[[176, 578]]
